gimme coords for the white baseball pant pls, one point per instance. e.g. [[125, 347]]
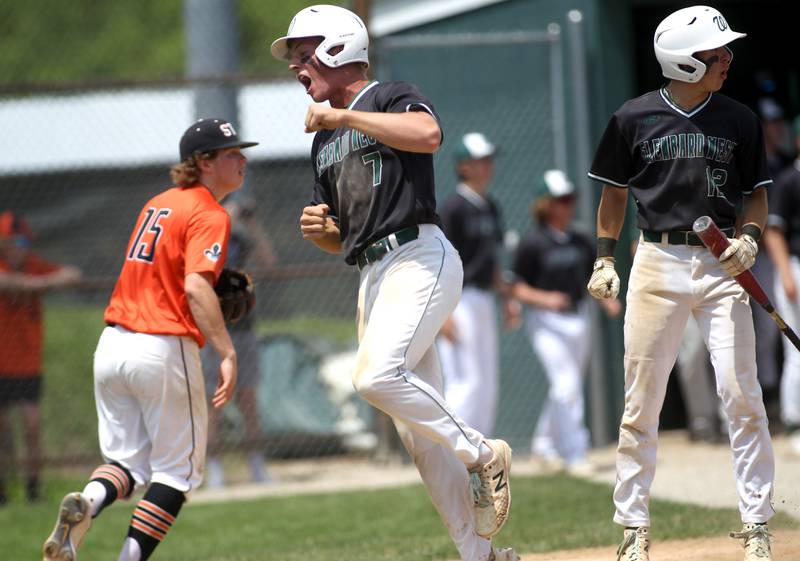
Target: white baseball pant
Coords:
[[151, 406], [561, 343], [667, 283], [470, 365], [790, 381], [403, 301]]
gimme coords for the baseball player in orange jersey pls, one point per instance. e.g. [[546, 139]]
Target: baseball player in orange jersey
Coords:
[[149, 389], [374, 202], [686, 151]]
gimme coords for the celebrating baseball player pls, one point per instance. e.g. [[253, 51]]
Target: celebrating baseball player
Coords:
[[373, 201], [686, 151], [148, 381]]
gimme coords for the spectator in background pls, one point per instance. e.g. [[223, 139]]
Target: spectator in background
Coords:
[[468, 341], [782, 240], [249, 249], [551, 266], [775, 139], [24, 276]]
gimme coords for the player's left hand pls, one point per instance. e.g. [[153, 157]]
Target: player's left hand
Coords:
[[319, 117], [226, 384], [739, 256]]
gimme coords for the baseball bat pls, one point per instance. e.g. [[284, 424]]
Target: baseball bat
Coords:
[[717, 242]]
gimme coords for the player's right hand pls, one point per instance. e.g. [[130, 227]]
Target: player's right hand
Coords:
[[313, 221], [605, 281]]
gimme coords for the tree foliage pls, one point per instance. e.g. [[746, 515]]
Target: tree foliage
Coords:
[[49, 41]]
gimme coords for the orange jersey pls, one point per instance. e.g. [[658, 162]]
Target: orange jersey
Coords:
[[180, 231], [21, 329]]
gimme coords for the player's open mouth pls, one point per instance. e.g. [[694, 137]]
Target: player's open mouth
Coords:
[[305, 80]]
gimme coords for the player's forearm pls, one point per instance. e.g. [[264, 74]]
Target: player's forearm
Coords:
[[204, 305], [611, 212], [777, 248], [755, 209], [330, 243], [531, 296], [413, 131]]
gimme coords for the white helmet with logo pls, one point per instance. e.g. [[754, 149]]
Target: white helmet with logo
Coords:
[[685, 32], [337, 26]]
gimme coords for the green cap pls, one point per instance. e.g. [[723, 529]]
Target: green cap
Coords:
[[473, 146]]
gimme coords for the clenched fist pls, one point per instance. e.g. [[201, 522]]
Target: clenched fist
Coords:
[[605, 281], [739, 256]]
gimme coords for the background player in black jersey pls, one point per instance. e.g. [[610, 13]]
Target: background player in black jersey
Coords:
[[551, 267], [373, 201], [249, 249], [685, 151], [468, 341], [782, 240]]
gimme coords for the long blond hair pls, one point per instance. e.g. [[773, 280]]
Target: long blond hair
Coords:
[[187, 173]]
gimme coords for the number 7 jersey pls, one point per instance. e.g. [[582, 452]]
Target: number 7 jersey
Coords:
[[374, 190], [680, 165], [180, 231]]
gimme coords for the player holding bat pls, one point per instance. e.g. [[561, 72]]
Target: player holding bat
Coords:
[[685, 151]]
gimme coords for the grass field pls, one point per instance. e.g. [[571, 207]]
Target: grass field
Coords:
[[549, 513]]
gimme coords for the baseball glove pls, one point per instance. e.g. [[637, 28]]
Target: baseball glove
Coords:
[[236, 293]]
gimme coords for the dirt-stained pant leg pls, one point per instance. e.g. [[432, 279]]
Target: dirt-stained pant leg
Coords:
[[726, 321], [403, 301], [658, 305], [445, 477]]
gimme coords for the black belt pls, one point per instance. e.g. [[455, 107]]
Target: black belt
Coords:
[[679, 237], [377, 250]]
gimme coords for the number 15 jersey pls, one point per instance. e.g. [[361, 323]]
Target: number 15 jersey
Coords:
[[180, 231], [680, 165]]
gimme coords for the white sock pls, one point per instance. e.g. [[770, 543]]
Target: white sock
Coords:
[[130, 550], [95, 493]]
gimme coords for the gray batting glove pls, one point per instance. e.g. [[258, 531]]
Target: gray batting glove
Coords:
[[605, 281], [739, 256]]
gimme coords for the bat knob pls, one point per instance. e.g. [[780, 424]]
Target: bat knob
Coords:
[[702, 224]]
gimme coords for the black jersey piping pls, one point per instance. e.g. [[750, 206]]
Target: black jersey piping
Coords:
[[191, 413], [360, 94], [694, 112]]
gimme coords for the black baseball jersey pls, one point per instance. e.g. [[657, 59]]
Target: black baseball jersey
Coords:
[[372, 189], [785, 206], [682, 165], [472, 224], [551, 260]]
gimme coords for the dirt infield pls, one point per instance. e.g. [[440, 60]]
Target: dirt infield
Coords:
[[785, 546]]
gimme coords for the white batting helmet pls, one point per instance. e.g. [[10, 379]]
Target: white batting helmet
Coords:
[[337, 26], [685, 32]]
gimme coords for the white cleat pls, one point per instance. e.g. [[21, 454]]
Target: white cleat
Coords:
[[505, 554], [491, 491], [635, 545], [755, 539], [74, 519]]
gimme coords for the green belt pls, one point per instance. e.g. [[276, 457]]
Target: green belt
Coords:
[[377, 250], [679, 237]]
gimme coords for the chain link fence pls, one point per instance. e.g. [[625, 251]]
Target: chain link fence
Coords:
[[79, 164]]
